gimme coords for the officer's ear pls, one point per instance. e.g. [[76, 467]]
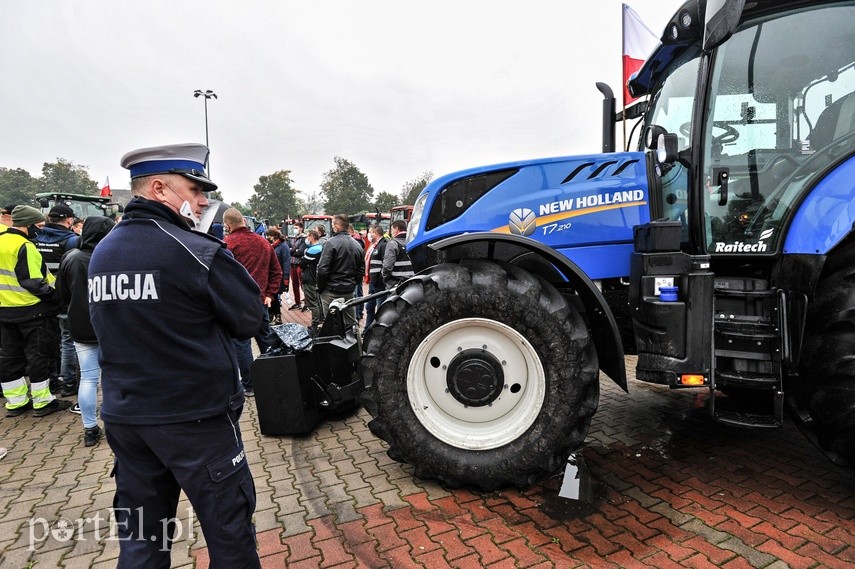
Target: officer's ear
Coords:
[[157, 190]]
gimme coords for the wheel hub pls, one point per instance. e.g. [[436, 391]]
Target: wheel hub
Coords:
[[475, 377], [456, 384]]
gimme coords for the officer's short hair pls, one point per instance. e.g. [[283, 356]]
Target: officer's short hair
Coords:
[[139, 184]]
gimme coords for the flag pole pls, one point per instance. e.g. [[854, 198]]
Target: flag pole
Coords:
[[623, 90]]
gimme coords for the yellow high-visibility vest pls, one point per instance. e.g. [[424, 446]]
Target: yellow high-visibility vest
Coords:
[[12, 294]]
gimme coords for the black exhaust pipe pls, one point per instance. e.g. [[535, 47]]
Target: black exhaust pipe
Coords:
[[608, 117]]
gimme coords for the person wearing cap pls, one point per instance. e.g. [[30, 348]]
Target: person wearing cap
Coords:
[[53, 241], [29, 338], [165, 303], [57, 236]]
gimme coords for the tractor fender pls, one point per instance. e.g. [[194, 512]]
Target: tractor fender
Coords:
[[546, 262]]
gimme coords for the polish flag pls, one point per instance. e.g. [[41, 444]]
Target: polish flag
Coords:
[[638, 43], [105, 188]]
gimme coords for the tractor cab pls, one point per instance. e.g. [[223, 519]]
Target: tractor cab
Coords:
[[311, 222], [82, 205], [781, 112], [750, 133]]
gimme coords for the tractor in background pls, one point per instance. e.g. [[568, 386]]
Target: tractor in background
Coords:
[[82, 205]]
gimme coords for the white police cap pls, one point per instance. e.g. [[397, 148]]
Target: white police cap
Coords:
[[188, 160]]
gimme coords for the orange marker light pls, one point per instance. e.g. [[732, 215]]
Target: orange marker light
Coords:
[[690, 379]]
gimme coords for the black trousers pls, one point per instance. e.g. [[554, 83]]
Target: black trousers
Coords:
[[29, 348], [206, 459]]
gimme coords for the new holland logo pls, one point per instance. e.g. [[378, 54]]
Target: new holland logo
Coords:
[[522, 221]]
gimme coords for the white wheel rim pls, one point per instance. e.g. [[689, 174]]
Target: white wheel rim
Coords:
[[485, 427]]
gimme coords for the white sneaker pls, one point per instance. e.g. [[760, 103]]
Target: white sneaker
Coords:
[[75, 409]]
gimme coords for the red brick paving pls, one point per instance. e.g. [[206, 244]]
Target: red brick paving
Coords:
[[749, 508], [671, 489]]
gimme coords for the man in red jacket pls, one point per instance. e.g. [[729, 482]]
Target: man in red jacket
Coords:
[[256, 254]]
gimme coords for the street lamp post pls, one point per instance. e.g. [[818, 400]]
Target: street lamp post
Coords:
[[208, 94]]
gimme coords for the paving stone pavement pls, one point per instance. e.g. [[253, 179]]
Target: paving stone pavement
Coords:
[[668, 487]]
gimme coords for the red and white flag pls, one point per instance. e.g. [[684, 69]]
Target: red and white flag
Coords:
[[638, 43], [105, 188]]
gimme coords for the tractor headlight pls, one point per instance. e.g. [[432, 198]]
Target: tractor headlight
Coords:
[[416, 219]]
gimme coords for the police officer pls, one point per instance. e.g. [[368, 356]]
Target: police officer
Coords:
[[396, 263], [165, 303]]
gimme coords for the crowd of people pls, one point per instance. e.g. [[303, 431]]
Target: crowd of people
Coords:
[[163, 314], [318, 269]]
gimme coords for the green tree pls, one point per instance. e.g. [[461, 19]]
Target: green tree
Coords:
[[413, 188], [66, 176], [346, 188], [241, 208], [385, 201], [313, 204], [17, 187], [275, 197]]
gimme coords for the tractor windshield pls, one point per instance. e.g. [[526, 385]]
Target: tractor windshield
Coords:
[[671, 106], [781, 105]]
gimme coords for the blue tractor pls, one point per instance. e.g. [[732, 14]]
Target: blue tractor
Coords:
[[721, 252]]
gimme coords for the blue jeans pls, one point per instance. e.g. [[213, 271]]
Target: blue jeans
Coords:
[[243, 351], [265, 335], [357, 293], [372, 305], [90, 372]]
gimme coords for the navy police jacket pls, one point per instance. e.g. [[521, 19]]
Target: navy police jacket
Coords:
[[165, 304]]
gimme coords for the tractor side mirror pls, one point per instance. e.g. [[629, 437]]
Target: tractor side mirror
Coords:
[[666, 148]]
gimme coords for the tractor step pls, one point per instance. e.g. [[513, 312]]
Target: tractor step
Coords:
[[749, 411], [749, 420], [748, 380]]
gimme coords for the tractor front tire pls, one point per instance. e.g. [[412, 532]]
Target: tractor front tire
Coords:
[[479, 374]]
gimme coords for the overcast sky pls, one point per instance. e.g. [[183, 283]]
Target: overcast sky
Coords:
[[396, 87]]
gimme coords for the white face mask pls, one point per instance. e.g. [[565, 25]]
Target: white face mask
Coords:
[[187, 211], [207, 218], [200, 224]]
